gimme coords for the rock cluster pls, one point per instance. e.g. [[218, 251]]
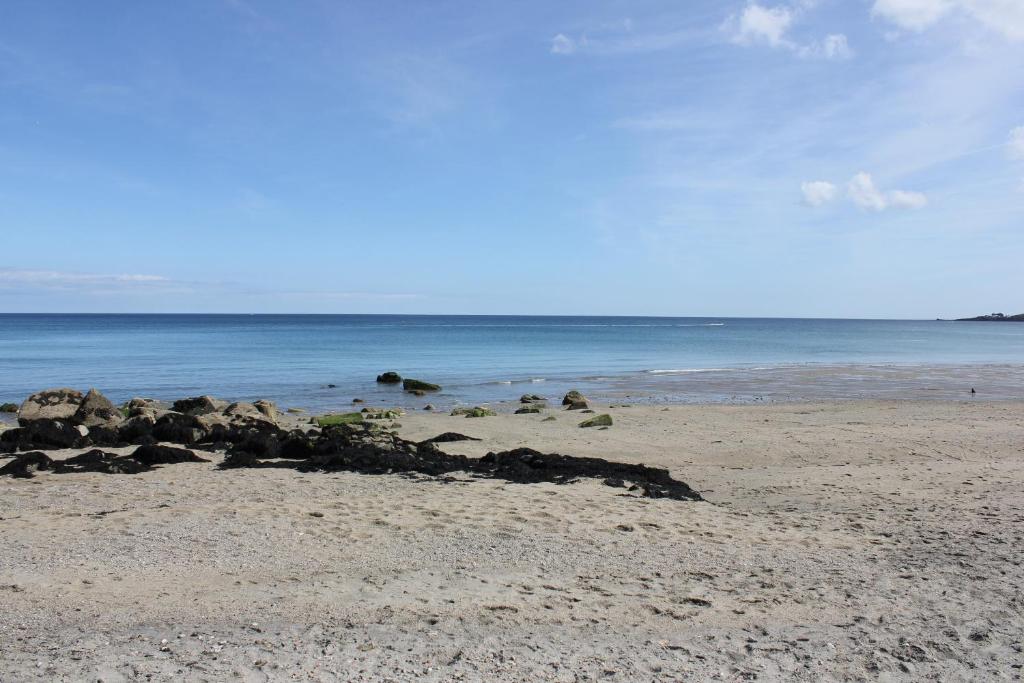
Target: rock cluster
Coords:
[[250, 437]]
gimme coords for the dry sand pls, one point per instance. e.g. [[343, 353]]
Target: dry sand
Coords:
[[840, 541]]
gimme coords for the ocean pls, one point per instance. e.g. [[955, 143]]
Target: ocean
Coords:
[[293, 359]]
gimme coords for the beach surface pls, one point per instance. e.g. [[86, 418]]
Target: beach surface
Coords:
[[839, 540]]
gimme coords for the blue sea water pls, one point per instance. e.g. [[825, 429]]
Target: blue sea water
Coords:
[[292, 358]]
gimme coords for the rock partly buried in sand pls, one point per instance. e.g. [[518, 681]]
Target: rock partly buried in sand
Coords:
[[8, 407], [389, 378], [527, 410], [41, 433], [448, 437], [50, 404], [419, 385], [142, 460], [598, 421], [97, 411], [199, 405], [369, 449], [25, 465], [164, 455], [525, 465], [531, 398], [475, 411]]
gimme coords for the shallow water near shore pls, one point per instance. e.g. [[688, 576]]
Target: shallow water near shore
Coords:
[[293, 359]]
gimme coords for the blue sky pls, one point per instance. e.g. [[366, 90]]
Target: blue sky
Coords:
[[839, 158]]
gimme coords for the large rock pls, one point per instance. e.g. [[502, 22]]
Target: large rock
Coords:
[[50, 404], [268, 409], [574, 397], [96, 410], [178, 428], [199, 405], [389, 378], [598, 421], [43, 433], [240, 411]]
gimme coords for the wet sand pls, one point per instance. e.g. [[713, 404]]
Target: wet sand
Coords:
[[839, 540]]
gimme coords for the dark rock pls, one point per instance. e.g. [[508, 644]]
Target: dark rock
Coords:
[[198, 405], [419, 385], [429, 406], [96, 410], [417, 392], [531, 398], [527, 410], [135, 427], [449, 437], [358, 400], [50, 404], [573, 397], [105, 436], [164, 455], [25, 465], [524, 465], [389, 378], [577, 405], [8, 407], [178, 428], [42, 433]]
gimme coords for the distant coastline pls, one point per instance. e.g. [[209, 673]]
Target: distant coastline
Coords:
[[995, 318]]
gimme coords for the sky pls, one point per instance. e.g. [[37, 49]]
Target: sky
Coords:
[[810, 158]]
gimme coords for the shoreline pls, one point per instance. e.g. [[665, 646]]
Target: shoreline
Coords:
[[742, 385]]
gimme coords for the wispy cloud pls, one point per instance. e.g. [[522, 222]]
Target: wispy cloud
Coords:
[[1015, 145], [1005, 17], [864, 193], [27, 282]]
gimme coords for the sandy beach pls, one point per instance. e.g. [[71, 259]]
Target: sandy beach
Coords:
[[838, 541]]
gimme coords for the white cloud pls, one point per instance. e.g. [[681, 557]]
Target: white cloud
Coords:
[[759, 24], [1015, 146], [865, 194], [562, 45], [818, 192], [902, 199], [913, 15], [861, 189], [1003, 16]]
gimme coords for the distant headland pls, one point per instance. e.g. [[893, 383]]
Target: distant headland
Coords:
[[995, 317]]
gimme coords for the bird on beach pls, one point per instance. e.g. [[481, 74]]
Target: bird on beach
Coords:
[[973, 392]]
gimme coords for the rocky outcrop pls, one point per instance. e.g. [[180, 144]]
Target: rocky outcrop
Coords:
[[96, 410], [995, 318], [389, 378], [50, 404], [419, 385]]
